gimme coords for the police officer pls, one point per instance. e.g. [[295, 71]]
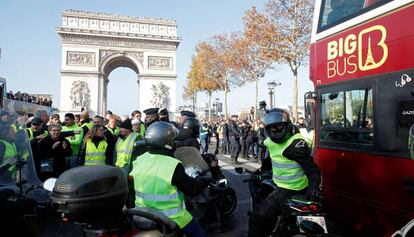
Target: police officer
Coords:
[[151, 116], [186, 114], [234, 136], [160, 181], [294, 171], [165, 116], [188, 135]]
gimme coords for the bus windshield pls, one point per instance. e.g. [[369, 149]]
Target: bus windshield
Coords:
[[334, 12]]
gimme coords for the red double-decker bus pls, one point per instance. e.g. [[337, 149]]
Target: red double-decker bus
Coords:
[[362, 67]]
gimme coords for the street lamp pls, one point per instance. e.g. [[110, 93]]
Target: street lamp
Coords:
[[217, 106], [271, 86]]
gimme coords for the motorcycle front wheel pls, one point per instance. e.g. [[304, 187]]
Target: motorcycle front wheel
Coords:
[[228, 202]]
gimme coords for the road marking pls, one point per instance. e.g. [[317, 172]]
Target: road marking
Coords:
[[243, 162]]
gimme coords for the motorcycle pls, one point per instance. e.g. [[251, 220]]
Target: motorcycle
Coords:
[[298, 216], [22, 198], [93, 198], [219, 196]]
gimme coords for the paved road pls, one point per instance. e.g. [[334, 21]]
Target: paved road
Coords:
[[239, 219]]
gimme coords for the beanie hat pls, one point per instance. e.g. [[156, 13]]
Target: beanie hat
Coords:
[[126, 124]]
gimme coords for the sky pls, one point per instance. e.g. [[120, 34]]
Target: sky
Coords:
[[31, 48]]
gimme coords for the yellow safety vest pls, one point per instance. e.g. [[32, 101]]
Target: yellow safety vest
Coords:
[[95, 155], [123, 150], [9, 153], [152, 175], [30, 131], [287, 174]]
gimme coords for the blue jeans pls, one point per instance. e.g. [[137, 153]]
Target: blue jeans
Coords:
[[192, 229]]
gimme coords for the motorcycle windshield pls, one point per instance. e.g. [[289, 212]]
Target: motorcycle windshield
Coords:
[[188, 155], [16, 159]]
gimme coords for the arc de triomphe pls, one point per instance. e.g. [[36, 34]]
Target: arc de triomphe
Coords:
[[94, 44]]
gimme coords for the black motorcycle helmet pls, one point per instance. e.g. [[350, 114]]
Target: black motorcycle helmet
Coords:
[[193, 125], [161, 135], [278, 125]]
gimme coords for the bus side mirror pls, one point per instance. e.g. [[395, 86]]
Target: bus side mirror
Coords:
[[2, 95], [309, 102]]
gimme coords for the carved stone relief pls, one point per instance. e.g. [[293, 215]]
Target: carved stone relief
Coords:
[[80, 59], [80, 95], [160, 95], [110, 41], [160, 63]]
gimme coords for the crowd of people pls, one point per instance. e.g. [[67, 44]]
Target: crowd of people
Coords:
[[21, 96], [245, 137], [59, 144]]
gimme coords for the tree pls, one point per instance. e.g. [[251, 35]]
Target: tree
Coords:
[[192, 87], [293, 20], [202, 74], [254, 53], [190, 94], [220, 53], [210, 74]]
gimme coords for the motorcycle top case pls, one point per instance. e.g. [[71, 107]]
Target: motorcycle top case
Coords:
[[90, 193]]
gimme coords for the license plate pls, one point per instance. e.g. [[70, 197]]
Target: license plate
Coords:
[[317, 219]]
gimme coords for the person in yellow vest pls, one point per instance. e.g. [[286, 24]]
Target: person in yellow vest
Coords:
[[137, 127], [85, 121], [136, 115], [36, 131], [160, 181], [8, 151], [124, 147], [294, 171], [36, 134], [112, 126], [94, 150], [75, 140], [307, 132]]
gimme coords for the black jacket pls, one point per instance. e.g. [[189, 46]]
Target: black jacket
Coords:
[[226, 130], [299, 151], [45, 151], [186, 184], [234, 130]]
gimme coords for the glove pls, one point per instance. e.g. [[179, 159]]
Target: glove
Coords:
[[205, 181], [313, 194]]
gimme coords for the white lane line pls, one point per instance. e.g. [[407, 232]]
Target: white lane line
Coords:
[[248, 162]]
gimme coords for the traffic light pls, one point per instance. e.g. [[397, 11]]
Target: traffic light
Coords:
[[219, 107]]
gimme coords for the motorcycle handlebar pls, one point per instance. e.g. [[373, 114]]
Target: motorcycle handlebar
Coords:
[[152, 215]]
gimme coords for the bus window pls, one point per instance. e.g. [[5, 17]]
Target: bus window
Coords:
[[347, 116], [334, 12]]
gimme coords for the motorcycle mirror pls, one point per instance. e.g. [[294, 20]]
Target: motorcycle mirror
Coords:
[[222, 183], [49, 184], [139, 143], [240, 170], [311, 227]]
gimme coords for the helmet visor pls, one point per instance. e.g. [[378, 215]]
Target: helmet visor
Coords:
[[276, 116]]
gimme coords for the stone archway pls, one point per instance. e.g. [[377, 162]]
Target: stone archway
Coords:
[[94, 44]]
